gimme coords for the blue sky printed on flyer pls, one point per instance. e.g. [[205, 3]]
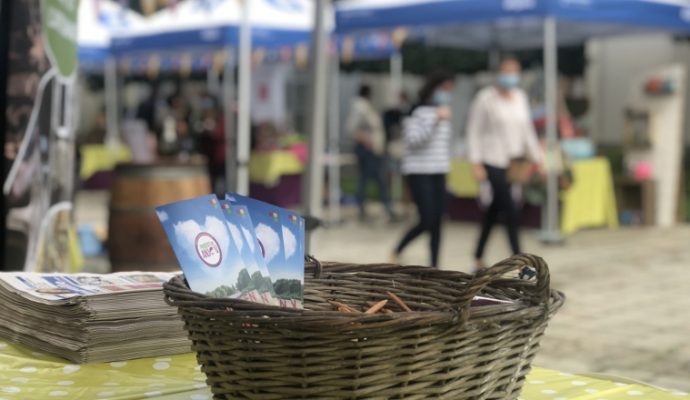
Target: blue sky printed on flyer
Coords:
[[293, 239], [268, 228], [244, 220], [199, 235]]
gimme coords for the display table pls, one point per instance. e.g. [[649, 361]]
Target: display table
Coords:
[[464, 190], [591, 200], [97, 163], [276, 177], [28, 375]]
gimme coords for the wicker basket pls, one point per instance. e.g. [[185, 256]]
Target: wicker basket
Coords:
[[442, 349]]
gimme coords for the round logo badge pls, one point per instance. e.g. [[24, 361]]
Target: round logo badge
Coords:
[[208, 249]]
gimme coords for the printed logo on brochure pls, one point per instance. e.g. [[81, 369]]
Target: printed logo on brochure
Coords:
[[208, 249]]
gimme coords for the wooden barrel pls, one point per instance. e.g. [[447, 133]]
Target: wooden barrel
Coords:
[[136, 239]]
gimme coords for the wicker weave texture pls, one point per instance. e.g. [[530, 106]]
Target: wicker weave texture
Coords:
[[443, 349]]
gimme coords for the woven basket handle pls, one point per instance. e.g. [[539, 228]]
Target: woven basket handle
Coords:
[[538, 293]]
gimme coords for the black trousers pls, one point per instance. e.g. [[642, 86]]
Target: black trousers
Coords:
[[371, 166], [502, 204], [429, 195]]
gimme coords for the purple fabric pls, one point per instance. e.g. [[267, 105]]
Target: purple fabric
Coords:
[[286, 193], [466, 209]]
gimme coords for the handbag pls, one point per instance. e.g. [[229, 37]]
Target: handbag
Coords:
[[519, 171]]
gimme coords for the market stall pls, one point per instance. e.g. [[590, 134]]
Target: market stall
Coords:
[[222, 35], [510, 25]]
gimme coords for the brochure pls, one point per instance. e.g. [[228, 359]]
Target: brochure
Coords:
[[242, 232], [200, 237], [270, 229]]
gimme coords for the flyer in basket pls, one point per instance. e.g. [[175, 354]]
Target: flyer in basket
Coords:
[[268, 228], [203, 245], [241, 230], [293, 240]]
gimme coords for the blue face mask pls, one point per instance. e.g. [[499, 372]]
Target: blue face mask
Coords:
[[508, 81], [442, 98]]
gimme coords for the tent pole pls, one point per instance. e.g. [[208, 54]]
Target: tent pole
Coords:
[[396, 72], [550, 227], [317, 123], [112, 136], [334, 142], [229, 120], [244, 93]]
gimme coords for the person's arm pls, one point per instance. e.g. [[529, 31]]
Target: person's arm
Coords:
[[534, 150], [420, 127], [354, 121], [475, 126]]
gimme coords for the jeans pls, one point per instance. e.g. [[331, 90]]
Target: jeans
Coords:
[[371, 166], [502, 204], [429, 195]]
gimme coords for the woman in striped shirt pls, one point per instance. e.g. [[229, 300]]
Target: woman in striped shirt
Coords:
[[427, 133]]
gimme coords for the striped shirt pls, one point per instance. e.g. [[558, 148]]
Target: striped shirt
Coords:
[[427, 142]]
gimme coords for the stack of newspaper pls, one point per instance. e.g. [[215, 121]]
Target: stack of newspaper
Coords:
[[90, 317]]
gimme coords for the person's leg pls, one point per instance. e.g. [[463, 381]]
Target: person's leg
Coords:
[[419, 190], [490, 216], [362, 161], [437, 211], [512, 215], [506, 205], [379, 174]]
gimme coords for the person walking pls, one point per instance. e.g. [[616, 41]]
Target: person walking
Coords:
[[366, 128], [426, 160], [500, 137]]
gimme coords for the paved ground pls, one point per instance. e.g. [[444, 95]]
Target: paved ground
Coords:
[[628, 307]]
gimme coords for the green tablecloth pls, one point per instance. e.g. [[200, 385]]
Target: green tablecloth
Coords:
[[32, 376]]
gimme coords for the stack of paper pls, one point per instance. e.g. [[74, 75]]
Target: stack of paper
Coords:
[[89, 317]]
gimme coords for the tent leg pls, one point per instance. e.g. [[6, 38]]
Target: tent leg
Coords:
[[396, 72], [334, 143], [112, 136], [243, 107], [317, 123], [550, 227], [229, 121]]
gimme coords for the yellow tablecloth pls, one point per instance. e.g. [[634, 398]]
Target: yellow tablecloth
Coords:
[[591, 201], [266, 168], [32, 376], [460, 182], [98, 157]]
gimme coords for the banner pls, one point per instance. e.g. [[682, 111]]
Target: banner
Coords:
[[40, 119]]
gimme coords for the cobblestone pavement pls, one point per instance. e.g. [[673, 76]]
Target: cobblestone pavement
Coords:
[[628, 302]]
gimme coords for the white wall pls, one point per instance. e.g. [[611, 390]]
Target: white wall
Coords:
[[613, 64]]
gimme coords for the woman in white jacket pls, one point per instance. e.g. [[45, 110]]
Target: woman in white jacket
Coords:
[[499, 131]]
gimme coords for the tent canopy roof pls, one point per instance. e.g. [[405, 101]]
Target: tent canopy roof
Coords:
[[512, 24]]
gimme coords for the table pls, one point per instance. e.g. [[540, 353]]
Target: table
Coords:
[[276, 177], [29, 375], [589, 202]]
